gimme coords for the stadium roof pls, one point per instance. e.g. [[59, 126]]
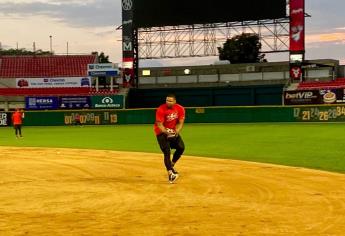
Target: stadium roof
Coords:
[[45, 66]]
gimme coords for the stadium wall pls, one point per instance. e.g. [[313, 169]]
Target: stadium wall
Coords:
[[210, 96], [321, 113]]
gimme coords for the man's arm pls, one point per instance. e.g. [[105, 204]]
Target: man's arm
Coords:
[[161, 127], [179, 126]]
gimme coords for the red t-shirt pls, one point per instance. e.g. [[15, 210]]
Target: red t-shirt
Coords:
[[17, 118], [168, 116]]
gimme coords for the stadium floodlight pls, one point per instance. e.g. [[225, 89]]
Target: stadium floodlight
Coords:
[[146, 72], [128, 64], [296, 58], [187, 71]]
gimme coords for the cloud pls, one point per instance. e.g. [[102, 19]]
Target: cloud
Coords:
[[76, 13], [340, 28], [336, 37]]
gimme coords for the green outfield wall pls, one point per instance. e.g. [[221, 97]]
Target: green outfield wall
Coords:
[[330, 113], [259, 95]]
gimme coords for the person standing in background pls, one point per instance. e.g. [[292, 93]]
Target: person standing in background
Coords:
[[17, 121]]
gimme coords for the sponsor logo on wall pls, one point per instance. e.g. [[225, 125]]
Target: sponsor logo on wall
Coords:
[[3, 119], [41, 103], [321, 96], [60, 82], [297, 25], [107, 101]]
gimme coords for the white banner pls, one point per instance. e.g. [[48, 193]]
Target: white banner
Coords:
[[103, 67], [53, 82]]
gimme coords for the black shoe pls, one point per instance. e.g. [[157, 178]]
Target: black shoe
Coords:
[[172, 177], [173, 170]]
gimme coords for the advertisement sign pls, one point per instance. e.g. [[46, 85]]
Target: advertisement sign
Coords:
[[297, 25], [127, 45], [101, 102], [59, 82], [128, 72], [318, 96], [296, 72], [302, 97], [4, 119], [102, 73], [41, 103], [332, 96], [103, 69], [77, 102]]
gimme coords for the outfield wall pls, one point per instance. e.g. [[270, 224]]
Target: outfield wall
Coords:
[[330, 113], [251, 95]]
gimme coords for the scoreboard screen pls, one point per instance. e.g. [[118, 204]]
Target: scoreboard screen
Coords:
[[155, 13]]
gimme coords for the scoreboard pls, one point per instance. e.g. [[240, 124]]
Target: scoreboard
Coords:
[[319, 113]]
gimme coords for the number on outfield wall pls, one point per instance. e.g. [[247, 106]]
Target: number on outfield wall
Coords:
[[113, 118], [68, 120], [306, 115], [296, 112], [97, 120], [324, 115], [340, 111], [106, 115]]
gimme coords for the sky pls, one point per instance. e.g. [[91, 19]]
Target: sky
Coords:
[[90, 25]]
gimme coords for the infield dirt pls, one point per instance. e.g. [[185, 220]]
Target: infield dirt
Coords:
[[90, 192]]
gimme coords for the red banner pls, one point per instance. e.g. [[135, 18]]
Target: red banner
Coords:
[[297, 25], [296, 72], [128, 72]]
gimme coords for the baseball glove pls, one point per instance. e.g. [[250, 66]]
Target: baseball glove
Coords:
[[171, 133]]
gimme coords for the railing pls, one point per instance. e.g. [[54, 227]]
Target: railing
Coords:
[[77, 91]]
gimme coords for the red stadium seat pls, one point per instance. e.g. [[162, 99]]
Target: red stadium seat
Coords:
[[338, 83]]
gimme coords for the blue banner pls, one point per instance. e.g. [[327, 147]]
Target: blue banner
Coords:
[[103, 73], [76, 102], [41, 103]]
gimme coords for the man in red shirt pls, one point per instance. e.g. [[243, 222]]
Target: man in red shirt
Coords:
[[17, 121], [169, 123]]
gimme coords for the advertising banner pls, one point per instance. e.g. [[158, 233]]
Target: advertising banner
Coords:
[[297, 26], [59, 82], [102, 73], [4, 119], [106, 102], [127, 43], [77, 102], [41, 103], [103, 69], [318, 96], [302, 97], [296, 72]]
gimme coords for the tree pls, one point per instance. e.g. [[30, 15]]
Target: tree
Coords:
[[102, 58], [22, 52], [244, 48]]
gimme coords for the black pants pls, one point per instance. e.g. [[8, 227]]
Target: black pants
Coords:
[[167, 144], [18, 130]]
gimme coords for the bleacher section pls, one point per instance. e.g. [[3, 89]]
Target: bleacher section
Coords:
[[45, 66], [338, 83]]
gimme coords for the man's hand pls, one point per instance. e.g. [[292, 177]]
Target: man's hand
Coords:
[[171, 133]]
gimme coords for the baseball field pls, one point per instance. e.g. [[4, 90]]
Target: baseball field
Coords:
[[236, 179]]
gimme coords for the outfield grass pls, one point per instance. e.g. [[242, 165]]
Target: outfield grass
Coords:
[[318, 146]]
